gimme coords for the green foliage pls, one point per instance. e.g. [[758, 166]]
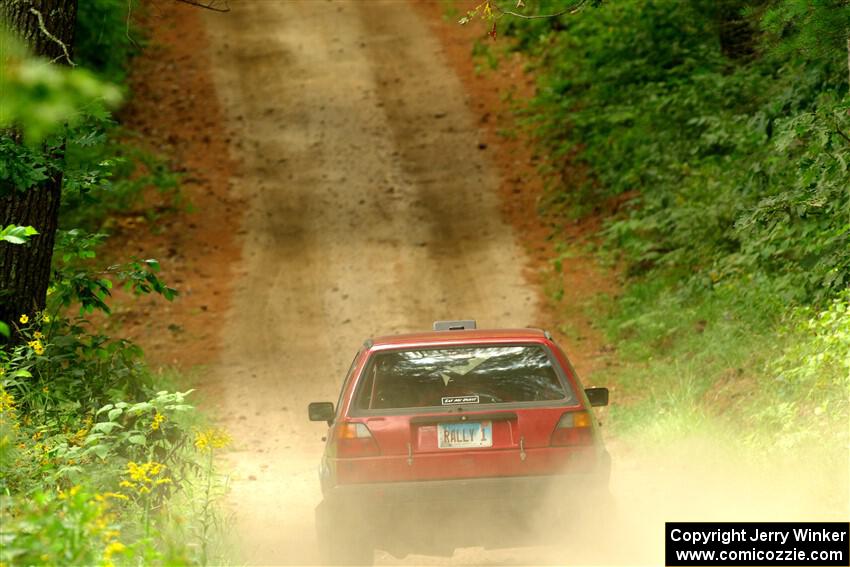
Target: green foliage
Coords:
[[141, 431], [724, 158], [60, 364], [822, 359], [98, 479], [104, 33], [731, 359], [105, 171], [41, 98], [70, 528], [23, 167], [485, 55], [97, 459], [108, 174], [75, 282], [17, 234], [815, 30], [139, 276], [728, 165], [811, 375]]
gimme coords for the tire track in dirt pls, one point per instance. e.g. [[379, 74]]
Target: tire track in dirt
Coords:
[[372, 210]]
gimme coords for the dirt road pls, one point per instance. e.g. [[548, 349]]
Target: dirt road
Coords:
[[372, 211]]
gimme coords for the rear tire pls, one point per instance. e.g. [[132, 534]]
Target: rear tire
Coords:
[[340, 540]]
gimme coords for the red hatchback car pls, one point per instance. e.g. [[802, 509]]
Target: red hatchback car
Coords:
[[439, 436]]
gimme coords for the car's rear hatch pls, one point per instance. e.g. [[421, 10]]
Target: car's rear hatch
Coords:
[[462, 412]]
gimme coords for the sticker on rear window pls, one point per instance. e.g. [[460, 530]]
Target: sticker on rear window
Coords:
[[454, 400]]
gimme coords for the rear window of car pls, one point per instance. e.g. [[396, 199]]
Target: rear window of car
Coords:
[[460, 376]]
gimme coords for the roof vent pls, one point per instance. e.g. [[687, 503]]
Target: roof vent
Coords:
[[454, 325]]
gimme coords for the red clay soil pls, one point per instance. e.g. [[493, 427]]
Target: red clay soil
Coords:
[[175, 112], [522, 188]]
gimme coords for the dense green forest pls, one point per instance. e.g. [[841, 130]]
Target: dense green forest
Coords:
[[714, 139], [101, 461]]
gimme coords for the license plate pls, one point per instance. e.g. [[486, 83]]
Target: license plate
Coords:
[[462, 435]]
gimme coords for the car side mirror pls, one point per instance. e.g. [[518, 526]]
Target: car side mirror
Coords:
[[597, 396], [321, 411]]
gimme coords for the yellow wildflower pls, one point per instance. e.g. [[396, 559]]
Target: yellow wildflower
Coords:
[[138, 473], [114, 495], [7, 401], [112, 549], [143, 476], [38, 335], [73, 491], [157, 421], [79, 438], [24, 319], [211, 439], [45, 317]]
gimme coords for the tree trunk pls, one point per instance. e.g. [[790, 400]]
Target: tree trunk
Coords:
[[47, 28], [59, 18], [737, 36]]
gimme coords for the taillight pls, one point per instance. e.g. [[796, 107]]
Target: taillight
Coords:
[[355, 440], [574, 428]]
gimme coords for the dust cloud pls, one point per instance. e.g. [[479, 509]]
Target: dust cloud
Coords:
[[697, 479], [693, 479]]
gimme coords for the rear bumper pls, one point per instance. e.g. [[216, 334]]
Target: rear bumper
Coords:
[[511, 489], [576, 476]]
